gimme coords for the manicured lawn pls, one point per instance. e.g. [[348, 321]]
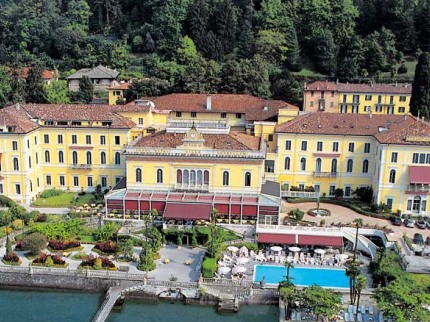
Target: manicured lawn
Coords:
[[421, 279], [63, 200]]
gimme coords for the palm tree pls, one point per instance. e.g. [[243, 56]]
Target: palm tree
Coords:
[[288, 265], [358, 223], [352, 271], [359, 286]]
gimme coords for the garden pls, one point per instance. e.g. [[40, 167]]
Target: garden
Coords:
[[60, 198]]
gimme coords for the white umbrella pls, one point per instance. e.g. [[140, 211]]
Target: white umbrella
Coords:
[[224, 270], [319, 251], [242, 260], [342, 256], [239, 269], [233, 249], [243, 250], [276, 248], [294, 249]]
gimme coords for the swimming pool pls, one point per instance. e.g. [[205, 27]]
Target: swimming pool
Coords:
[[302, 276]]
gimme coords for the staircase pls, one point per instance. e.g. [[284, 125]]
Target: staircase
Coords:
[[363, 243], [228, 305]]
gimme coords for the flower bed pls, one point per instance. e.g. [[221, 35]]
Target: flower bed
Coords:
[[98, 263], [69, 246], [49, 261], [106, 248], [12, 259]]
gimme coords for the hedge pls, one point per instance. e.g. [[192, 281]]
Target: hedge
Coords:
[[340, 203], [7, 202], [209, 267]]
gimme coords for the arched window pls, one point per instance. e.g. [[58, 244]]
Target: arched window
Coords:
[[318, 165], [193, 177], [138, 175], [349, 165], [75, 157], [392, 178], [199, 177], [117, 158], [60, 157], [206, 177], [103, 157], [416, 204], [225, 178], [247, 179], [179, 176], [15, 164], [303, 164], [89, 158], [186, 177], [159, 176], [334, 166], [287, 163], [365, 166], [47, 157]]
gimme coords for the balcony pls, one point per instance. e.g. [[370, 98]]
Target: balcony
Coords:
[[192, 187], [319, 174], [182, 126], [321, 104], [423, 188], [77, 166]]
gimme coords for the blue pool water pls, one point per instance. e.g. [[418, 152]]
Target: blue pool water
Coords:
[[303, 276]]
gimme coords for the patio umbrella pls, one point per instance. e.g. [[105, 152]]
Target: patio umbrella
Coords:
[[224, 270], [342, 257], [276, 248], [239, 269], [242, 260], [294, 249], [243, 250], [233, 249], [320, 251]]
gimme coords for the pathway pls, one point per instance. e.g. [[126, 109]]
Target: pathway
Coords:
[[50, 211]]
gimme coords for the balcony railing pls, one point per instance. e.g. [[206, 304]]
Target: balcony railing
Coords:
[[198, 124], [191, 187], [300, 194], [419, 188], [319, 174], [79, 166]]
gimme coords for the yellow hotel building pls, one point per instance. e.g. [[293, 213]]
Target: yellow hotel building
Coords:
[[335, 97], [231, 152]]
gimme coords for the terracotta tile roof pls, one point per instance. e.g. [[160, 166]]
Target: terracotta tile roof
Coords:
[[121, 86], [78, 112], [393, 129], [46, 74], [131, 108], [254, 108], [14, 116], [360, 88], [231, 141]]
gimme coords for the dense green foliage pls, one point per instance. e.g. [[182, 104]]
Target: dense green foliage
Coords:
[[210, 45], [420, 100], [34, 242], [209, 267]]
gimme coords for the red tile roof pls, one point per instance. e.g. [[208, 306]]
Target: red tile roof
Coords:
[[254, 108], [78, 112], [394, 129], [46, 74], [360, 88], [124, 86], [419, 174], [231, 141], [187, 211], [15, 117]]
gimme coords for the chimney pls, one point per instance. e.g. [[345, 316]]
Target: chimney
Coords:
[[337, 81], [208, 102], [370, 114]]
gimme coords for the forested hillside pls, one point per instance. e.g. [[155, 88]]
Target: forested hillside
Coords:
[[231, 46]]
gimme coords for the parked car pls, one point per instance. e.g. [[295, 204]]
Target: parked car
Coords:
[[409, 223], [396, 220], [421, 224], [427, 241], [418, 239], [428, 224]]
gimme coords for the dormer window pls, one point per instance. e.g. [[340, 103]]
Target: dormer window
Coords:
[[49, 123], [106, 123], [76, 123]]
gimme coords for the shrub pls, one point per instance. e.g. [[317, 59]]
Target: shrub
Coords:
[[51, 193], [209, 267], [42, 218], [108, 247], [34, 243], [49, 260], [104, 263], [249, 245], [6, 202], [63, 245], [11, 258], [402, 69]]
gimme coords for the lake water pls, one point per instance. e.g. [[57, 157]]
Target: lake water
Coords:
[[30, 305]]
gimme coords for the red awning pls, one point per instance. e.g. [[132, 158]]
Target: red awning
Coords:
[[277, 239], [419, 174], [196, 211], [334, 241]]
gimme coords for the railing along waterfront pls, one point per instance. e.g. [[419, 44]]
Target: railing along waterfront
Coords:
[[225, 282]]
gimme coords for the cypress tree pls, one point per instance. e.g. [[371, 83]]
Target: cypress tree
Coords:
[[86, 90], [420, 100], [293, 54], [34, 87]]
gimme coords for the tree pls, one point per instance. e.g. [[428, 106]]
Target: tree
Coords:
[[352, 272], [358, 223], [293, 61], [246, 41], [127, 248], [187, 51], [5, 86], [359, 286], [120, 56], [420, 99], [147, 258], [288, 266], [107, 231], [86, 90], [8, 246], [325, 52], [271, 45], [34, 242], [34, 87], [288, 294], [147, 88], [323, 302], [57, 92], [202, 76]]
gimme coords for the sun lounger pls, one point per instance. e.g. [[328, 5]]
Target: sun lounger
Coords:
[[347, 317], [381, 317], [365, 317], [370, 309], [359, 317], [350, 308], [299, 316], [362, 309], [354, 309], [293, 315]]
